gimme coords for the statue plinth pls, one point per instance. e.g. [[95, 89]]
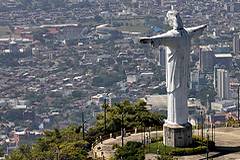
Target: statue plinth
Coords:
[[176, 135]]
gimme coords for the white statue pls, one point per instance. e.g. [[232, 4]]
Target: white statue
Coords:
[[178, 47]]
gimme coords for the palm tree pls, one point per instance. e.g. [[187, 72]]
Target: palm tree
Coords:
[[146, 122], [121, 109], [105, 106]]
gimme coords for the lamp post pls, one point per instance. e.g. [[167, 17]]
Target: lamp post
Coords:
[[207, 144], [208, 114], [238, 102], [121, 109], [83, 125]]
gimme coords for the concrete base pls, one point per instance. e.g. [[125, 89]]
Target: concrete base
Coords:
[[176, 135]]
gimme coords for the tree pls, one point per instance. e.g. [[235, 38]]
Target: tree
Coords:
[[231, 122], [1, 152], [22, 153], [105, 108], [25, 3], [57, 3], [166, 157], [130, 151], [207, 93], [65, 144], [77, 94], [99, 19], [38, 35], [133, 115]]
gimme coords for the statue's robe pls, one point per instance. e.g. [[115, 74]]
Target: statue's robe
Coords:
[[178, 47]]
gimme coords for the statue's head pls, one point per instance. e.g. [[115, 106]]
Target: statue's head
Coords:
[[174, 19]]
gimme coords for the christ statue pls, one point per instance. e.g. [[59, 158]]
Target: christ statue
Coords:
[[178, 47]]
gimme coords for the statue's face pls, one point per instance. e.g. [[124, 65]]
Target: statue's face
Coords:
[[174, 19]]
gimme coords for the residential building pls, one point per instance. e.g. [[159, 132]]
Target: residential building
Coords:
[[222, 84], [236, 44]]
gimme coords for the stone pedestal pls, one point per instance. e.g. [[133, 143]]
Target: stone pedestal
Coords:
[[176, 135]]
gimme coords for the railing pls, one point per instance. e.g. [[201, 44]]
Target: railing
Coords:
[[127, 133]]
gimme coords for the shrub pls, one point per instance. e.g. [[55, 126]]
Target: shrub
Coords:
[[198, 140], [130, 151], [153, 140], [199, 147], [115, 146], [166, 157], [188, 151]]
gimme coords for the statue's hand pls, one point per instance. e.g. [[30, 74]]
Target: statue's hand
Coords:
[[147, 40], [196, 32]]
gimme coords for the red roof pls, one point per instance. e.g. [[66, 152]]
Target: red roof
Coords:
[[53, 30]]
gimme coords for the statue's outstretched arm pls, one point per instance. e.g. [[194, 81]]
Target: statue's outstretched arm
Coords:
[[196, 32], [156, 41]]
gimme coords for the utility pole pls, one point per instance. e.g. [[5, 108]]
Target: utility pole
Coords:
[[149, 138], [144, 138], [83, 125], [122, 129], [201, 113], [121, 107], [207, 144], [212, 132], [156, 131], [198, 126], [105, 115]]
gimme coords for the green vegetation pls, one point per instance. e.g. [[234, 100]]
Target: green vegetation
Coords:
[[137, 28], [4, 31], [44, 4], [65, 144], [135, 151], [198, 140], [38, 35], [103, 81], [189, 151], [1, 152], [130, 151], [107, 79], [198, 147], [134, 115], [160, 148], [166, 157], [69, 144], [78, 93], [207, 93], [231, 122]]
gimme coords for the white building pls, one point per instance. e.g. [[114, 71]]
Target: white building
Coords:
[[194, 77], [222, 84], [236, 45], [131, 78], [165, 3], [206, 59]]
